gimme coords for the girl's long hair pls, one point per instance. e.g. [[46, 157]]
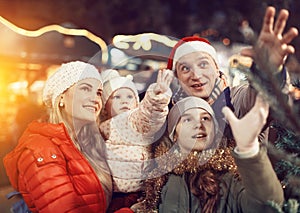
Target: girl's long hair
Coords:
[[202, 180], [205, 186]]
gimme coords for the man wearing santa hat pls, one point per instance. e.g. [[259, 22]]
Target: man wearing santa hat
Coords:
[[194, 61]]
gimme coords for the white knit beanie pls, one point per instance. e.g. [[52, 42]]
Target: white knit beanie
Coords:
[[113, 81], [183, 105], [66, 76]]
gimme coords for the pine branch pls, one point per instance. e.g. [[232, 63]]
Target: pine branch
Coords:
[[288, 167], [290, 206], [276, 207], [283, 155], [286, 139], [267, 83]]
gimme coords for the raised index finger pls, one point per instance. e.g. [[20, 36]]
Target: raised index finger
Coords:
[[159, 76]]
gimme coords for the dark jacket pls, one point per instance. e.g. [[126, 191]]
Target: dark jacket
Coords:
[[259, 184]]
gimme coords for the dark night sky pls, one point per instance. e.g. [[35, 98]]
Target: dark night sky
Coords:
[[176, 18]]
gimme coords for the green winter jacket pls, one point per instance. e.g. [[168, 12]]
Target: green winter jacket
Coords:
[[259, 184]]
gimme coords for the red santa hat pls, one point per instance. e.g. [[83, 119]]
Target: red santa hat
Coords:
[[188, 45]]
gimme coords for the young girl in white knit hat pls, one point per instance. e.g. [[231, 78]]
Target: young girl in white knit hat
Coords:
[[131, 127]]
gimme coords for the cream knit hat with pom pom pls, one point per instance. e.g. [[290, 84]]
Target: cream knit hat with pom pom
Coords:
[[66, 76], [113, 81]]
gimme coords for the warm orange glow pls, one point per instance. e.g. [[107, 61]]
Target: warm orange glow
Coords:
[[25, 66], [62, 30]]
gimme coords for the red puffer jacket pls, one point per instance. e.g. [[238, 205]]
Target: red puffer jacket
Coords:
[[51, 173]]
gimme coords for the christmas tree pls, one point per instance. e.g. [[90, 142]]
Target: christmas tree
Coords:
[[286, 147]]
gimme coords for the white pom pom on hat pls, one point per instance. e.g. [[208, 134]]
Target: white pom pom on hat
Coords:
[[66, 76], [112, 81]]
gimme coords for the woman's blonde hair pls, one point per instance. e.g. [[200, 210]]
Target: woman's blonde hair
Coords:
[[89, 142]]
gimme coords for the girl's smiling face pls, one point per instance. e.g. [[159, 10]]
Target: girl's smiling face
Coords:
[[121, 100], [195, 130]]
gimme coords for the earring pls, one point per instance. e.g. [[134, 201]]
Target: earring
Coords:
[[61, 103]]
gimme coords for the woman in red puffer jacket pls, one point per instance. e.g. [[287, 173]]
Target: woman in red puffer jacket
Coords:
[[58, 165]]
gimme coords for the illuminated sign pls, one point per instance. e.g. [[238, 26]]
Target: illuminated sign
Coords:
[[62, 30]]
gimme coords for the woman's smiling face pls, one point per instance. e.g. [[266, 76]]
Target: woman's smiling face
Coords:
[[83, 101]]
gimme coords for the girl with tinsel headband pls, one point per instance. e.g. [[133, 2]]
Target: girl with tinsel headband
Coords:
[[195, 173]]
